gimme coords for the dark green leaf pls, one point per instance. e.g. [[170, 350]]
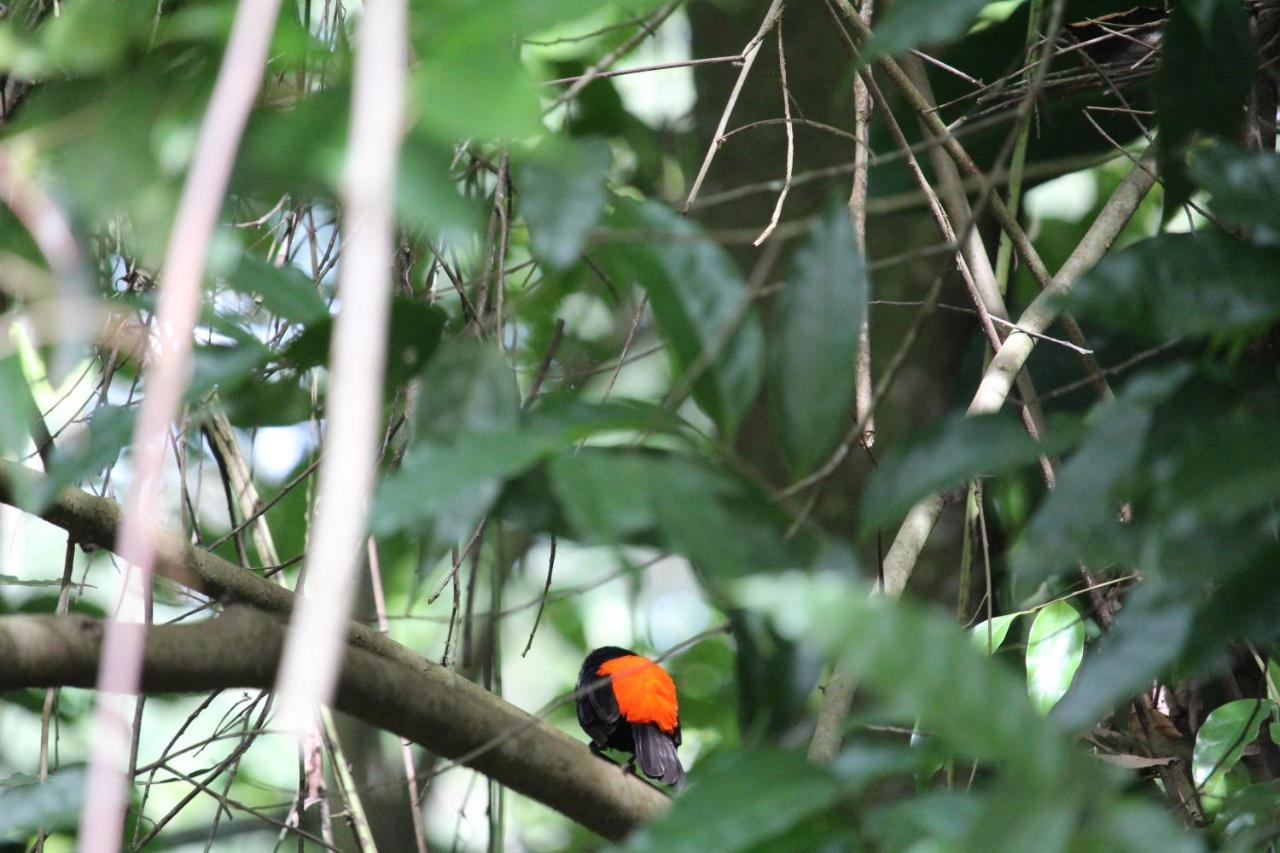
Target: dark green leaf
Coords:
[[1204, 283], [818, 322], [700, 302], [468, 387], [459, 74], [1206, 71], [949, 453], [1243, 186], [776, 677], [413, 337], [1133, 825], [260, 404], [911, 23], [426, 196], [27, 805], [941, 817], [925, 667], [741, 799], [454, 484], [110, 431], [562, 194], [285, 291], [1080, 518], [721, 525]]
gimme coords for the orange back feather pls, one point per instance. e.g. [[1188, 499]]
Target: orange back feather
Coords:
[[645, 693]]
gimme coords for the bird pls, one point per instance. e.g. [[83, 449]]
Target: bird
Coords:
[[628, 703]]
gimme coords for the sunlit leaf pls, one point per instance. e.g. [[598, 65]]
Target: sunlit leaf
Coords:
[[1055, 648], [1148, 636], [1223, 736], [989, 634]]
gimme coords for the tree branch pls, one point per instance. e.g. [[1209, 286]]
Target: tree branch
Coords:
[[381, 681], [431, 705]]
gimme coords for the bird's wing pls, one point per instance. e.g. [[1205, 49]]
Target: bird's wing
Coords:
[[598, 708]]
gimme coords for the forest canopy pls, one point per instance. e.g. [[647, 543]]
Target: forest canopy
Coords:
[[903, 377]]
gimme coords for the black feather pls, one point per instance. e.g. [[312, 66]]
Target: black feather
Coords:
[[598, 711], [656, 754]]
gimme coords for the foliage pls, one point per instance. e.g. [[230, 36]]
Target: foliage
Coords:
[[593, 385]]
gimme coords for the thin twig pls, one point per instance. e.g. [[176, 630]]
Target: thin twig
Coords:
[[542, 603], [749, 53], [791, 141]]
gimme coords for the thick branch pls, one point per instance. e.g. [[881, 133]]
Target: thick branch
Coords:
[[434, 706], [382, 682]]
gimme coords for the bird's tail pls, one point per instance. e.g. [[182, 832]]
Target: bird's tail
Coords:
[[656, 754]]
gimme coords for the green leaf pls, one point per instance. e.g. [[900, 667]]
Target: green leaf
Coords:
[[1205, 74], [14, 580], [1206, 69], [27, 805], [467, 387], [285, 291], [990, 640], [775, 676], [454, 484], [739, 800], [259, 404], [86, 38], [562, 195], [724, 527], [947, 454], [1134, 825], [1223, 736], [475, 86], [17, 407], [411, 339], [925, 667], [426, 196], [1079, 519], [940, 817], [911, 23], [1243, 185], [700, 302], [1203, 283], [818, 322], [110, 431], [1148, 635], [1055, 648]]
